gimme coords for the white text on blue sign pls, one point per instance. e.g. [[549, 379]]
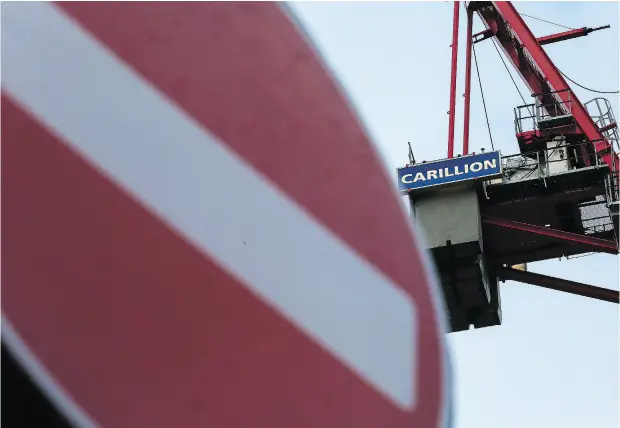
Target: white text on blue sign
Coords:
[[449, 171]]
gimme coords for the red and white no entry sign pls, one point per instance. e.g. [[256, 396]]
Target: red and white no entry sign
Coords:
[[197, 230]]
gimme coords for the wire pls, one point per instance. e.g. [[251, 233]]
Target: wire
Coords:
[[510, 74], [548, 22], [587, 89], [568, 28], [484, 104], [578, 256]]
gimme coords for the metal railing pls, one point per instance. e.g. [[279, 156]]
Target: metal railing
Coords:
[[601, 112], [525, 115], [557, 107], [529, 116], [546, 162]]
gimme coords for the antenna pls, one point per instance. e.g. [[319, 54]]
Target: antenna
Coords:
[[411, 157]]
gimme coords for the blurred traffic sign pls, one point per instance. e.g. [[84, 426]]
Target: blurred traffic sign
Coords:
[[198, 232]]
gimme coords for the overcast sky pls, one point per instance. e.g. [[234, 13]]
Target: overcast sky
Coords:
[[554, 361]]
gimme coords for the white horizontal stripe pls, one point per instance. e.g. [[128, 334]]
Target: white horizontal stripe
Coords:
[[179, 170]]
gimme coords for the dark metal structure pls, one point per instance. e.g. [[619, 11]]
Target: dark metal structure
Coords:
[[558, 197]]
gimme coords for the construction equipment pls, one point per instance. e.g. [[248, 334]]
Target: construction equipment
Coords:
[[558, 197]]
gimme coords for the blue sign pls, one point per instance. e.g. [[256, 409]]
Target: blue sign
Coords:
[[449, 171]]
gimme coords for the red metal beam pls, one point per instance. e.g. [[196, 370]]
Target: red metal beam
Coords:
[[455, 47], [498, 27], [566, 35], [594, 244], [483, 35], [564, 285], [467, 102], [608, 127], [538, 71]]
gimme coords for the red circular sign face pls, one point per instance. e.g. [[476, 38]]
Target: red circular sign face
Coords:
[[198, 231]]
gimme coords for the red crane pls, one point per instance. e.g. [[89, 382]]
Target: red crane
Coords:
[[539, 73], [557, 198], [556, 111]]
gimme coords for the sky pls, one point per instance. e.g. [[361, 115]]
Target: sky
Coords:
[[554, 360]]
